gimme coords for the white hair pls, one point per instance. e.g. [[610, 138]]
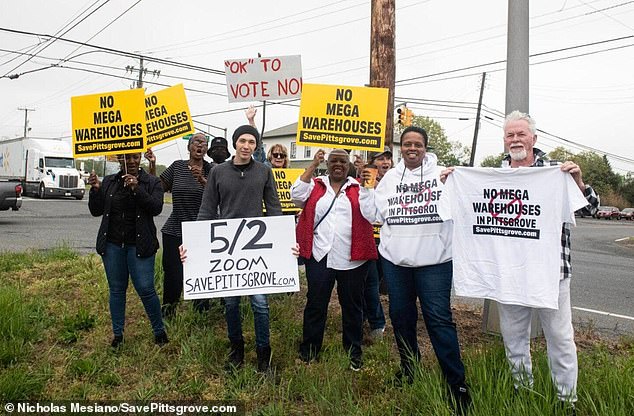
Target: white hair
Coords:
[[518, 115]]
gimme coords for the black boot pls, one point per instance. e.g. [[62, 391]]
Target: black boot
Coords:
[[236, 355], [461, 399], [264, 358], [161, 339], [116, 341]]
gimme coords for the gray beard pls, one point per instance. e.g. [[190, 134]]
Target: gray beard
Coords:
[[518, 156]]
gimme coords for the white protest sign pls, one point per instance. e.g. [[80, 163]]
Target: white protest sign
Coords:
[[263, 79], [237, 257]]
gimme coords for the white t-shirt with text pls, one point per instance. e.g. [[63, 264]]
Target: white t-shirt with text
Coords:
[[507, 231]]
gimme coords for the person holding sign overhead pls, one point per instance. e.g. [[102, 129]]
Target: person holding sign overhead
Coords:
[[127, 202], [236, 189], [415, 252], [336, 243], [186, 180]]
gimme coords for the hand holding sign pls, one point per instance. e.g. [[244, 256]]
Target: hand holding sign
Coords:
[[130, 181], [319, 157], [236, 257], [93, 180], [149, 155]]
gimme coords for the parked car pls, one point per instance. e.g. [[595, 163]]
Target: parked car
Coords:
[[608, 213], [10, 195], [627, 214], [588, 211]]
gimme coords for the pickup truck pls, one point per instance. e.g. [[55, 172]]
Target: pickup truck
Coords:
[[10, 195]]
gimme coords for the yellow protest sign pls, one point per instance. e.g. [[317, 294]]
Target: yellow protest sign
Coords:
[[345, 117], [167, 115], [108, 123], [376, 230], [284, 179]]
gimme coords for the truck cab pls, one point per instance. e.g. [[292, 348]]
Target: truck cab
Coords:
[[52, 175]]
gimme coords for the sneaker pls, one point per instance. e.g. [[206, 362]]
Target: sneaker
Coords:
[[117, 341], [356, 364], [161, 339], [377, 334]]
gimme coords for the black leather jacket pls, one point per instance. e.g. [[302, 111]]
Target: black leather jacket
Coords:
[[149, 203]]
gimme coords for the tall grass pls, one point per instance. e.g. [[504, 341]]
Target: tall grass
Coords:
[[54, 344]]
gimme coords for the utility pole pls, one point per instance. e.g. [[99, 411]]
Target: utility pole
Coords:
[[516, 99], [142, 73], [477, 123], [26, 118], [383, 57], [517, 57], [139, 83]]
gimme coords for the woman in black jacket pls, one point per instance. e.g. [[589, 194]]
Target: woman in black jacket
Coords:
[[126, 241]]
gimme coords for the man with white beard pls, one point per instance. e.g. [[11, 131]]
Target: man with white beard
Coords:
[[519, 138]]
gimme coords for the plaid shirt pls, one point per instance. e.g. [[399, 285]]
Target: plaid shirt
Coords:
[[540, 159]]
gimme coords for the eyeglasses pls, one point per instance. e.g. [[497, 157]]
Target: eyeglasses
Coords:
[[278, 155]]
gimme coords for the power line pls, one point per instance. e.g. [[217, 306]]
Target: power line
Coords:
[[222, 84], [34, 47], [204, 41], [121, 52], [532, 56], [129, 79], [55, 37], [104, 28], [168, 47]]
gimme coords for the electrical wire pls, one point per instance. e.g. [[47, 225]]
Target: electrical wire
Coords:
[[120, 52], [56, 37], [104, 28]]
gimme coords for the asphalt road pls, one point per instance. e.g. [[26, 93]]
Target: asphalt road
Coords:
[[46, 223], [603, 270]]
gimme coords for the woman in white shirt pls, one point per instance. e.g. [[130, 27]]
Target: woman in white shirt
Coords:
[[336, 242]]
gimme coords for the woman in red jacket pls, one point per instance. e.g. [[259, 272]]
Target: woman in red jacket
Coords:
[[336, 242]]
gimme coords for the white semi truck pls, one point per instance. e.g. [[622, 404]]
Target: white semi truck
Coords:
[[44, 167]]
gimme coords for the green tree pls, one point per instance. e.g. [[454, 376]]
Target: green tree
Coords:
[[627, 188], [492, 161], [561, 154], [597, 172], [448, 153]]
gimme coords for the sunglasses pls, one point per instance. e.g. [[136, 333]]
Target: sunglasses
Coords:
[[278, 155]]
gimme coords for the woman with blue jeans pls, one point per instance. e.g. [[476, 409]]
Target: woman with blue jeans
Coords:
[[127, 202], [416, 259]]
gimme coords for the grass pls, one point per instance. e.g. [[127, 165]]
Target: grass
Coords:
[[55, 333]]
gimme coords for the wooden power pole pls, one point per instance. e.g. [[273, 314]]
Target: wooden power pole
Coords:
[[383, 56]]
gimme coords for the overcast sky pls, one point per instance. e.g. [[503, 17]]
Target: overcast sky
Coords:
[[582, 94]]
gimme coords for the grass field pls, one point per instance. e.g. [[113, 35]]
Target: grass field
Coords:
[[55, 334]]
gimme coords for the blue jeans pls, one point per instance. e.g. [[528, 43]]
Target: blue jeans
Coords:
[[121, 262], [260, 308], [432, 285], [372, 308]]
